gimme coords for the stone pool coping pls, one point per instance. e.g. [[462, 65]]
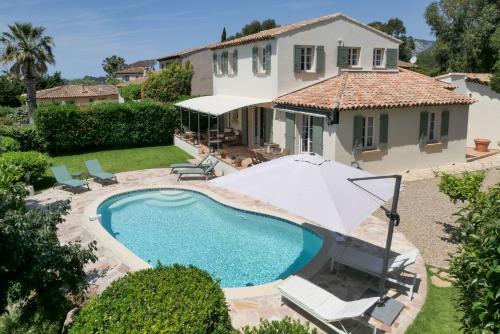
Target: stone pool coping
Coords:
[[92, 224]]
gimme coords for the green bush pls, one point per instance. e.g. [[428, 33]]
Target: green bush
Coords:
[[476, 266], [173, 299], [31, 164], [8, 144], [131, 92], [170, 83], [285, 326], [26, 135], [69, 128]]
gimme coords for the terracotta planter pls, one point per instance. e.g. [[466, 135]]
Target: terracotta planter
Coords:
[[482, 144], [237, 163], [223, 155]]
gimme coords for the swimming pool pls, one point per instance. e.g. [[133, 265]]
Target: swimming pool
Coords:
[[239, 248]]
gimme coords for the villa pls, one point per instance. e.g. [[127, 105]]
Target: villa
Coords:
[[329, 85], [78, 94]]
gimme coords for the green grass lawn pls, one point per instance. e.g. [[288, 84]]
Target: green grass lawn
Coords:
[[116, 161], [438, 316]]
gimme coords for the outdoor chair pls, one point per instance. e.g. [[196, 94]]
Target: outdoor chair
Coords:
[[200, 164], [63, 178], [207, 172], [95, 171], [372, 264], [325, 306]]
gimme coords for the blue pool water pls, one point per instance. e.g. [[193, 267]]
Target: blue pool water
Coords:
[[238, 247]]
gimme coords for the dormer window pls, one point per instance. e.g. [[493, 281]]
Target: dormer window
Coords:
[[378, 57], [353, 56]]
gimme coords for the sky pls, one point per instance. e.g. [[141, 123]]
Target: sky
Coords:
[[87, 31]]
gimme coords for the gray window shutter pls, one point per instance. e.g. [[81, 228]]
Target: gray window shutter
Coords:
[[342, 56], [296, 57], [255, 58], [224, 62], [268, 58], [424, 123], [244, 126], [445, 124], [320, 58], [235, 61], [384, 131], [290, 132], [391, 60], [214, 60], [317, 137], [268, 132], [357, 144]]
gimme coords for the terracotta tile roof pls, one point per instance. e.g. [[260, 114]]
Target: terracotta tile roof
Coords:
[[374, 90], [274, 32], [131, 70], [185, 52], [480, 78], [69, 91]]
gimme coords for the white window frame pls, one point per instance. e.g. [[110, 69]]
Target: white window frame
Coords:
[[307, 59], [433, 127], [351, 56], [366, 137], [378, 57]]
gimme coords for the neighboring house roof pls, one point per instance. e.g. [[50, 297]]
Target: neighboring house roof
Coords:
[[480, 78], [185, 52], [275, 32], [70, 91], [374, 90], [405, 64], [131, 70], [143, 63], [138, 80]]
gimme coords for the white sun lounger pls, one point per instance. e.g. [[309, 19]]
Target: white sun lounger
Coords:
[[324, 306], [373, 264]]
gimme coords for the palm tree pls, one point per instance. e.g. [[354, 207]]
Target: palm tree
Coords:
[[29, 51]]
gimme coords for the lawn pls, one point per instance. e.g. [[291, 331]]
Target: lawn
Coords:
[[116, 161], [438, 316]]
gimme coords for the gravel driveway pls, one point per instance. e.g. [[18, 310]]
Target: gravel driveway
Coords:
[[427, 217]]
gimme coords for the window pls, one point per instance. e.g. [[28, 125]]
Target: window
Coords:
[[378, 57], [432, 129], [353, 56], [306, 58], [368, 140], [262, 60], [307, 129]]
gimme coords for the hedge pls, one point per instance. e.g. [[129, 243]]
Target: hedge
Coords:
[[69, 128], [8, 144], [26, 135], [173, 299], [32, 164], [131, 92], [284, 326]]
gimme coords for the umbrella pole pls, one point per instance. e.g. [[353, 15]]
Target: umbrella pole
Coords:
[[393, 221]]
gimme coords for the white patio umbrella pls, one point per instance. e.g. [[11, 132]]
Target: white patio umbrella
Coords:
[[328, 193], [311, 187]]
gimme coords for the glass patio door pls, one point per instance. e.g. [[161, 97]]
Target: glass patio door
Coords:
[[259, 126], [306, 134]]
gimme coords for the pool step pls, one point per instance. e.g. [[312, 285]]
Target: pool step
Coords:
[[128, 200], [174, 197], [171, 204], [172, 192]]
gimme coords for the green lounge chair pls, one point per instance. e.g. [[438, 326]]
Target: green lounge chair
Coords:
[[199, 164], [64, 178], [198, 171], [95, 171]]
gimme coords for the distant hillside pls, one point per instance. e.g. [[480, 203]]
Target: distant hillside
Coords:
[[422, 45]]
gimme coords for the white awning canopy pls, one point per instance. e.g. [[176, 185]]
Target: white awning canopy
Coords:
[[220, 104]]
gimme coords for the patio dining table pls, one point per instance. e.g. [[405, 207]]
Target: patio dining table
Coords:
[[267, 156]]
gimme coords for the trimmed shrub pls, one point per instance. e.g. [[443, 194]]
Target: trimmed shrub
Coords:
[[27, 136], [285, 326], [173, 299], [32, 164], [8, 144], [170, 83], [131, 92], [69, 128]]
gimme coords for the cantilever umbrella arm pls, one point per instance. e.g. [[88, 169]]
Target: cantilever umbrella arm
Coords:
[[394, 219]]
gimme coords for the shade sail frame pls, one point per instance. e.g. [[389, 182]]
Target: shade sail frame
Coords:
[[216, 105]]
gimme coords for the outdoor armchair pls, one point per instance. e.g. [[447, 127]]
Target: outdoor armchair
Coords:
[[95, 170], [63, 177]]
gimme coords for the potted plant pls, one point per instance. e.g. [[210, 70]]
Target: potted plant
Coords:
[[482, 144], [176, 131], [223, 154]]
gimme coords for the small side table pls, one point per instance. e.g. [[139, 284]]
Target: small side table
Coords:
[[77, 175]]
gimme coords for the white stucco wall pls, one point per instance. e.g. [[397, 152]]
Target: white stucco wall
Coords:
[[404, 151], [327, 34], [246, 83]]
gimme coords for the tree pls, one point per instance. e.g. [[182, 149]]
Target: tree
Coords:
[[396, 28], [223, 37], [29, 51], [464, 32], [113, 64], [50, 81], [254, 27], [11, 89], [170, 84]]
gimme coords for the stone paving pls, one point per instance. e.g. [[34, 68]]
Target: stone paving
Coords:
[[345, 283]]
